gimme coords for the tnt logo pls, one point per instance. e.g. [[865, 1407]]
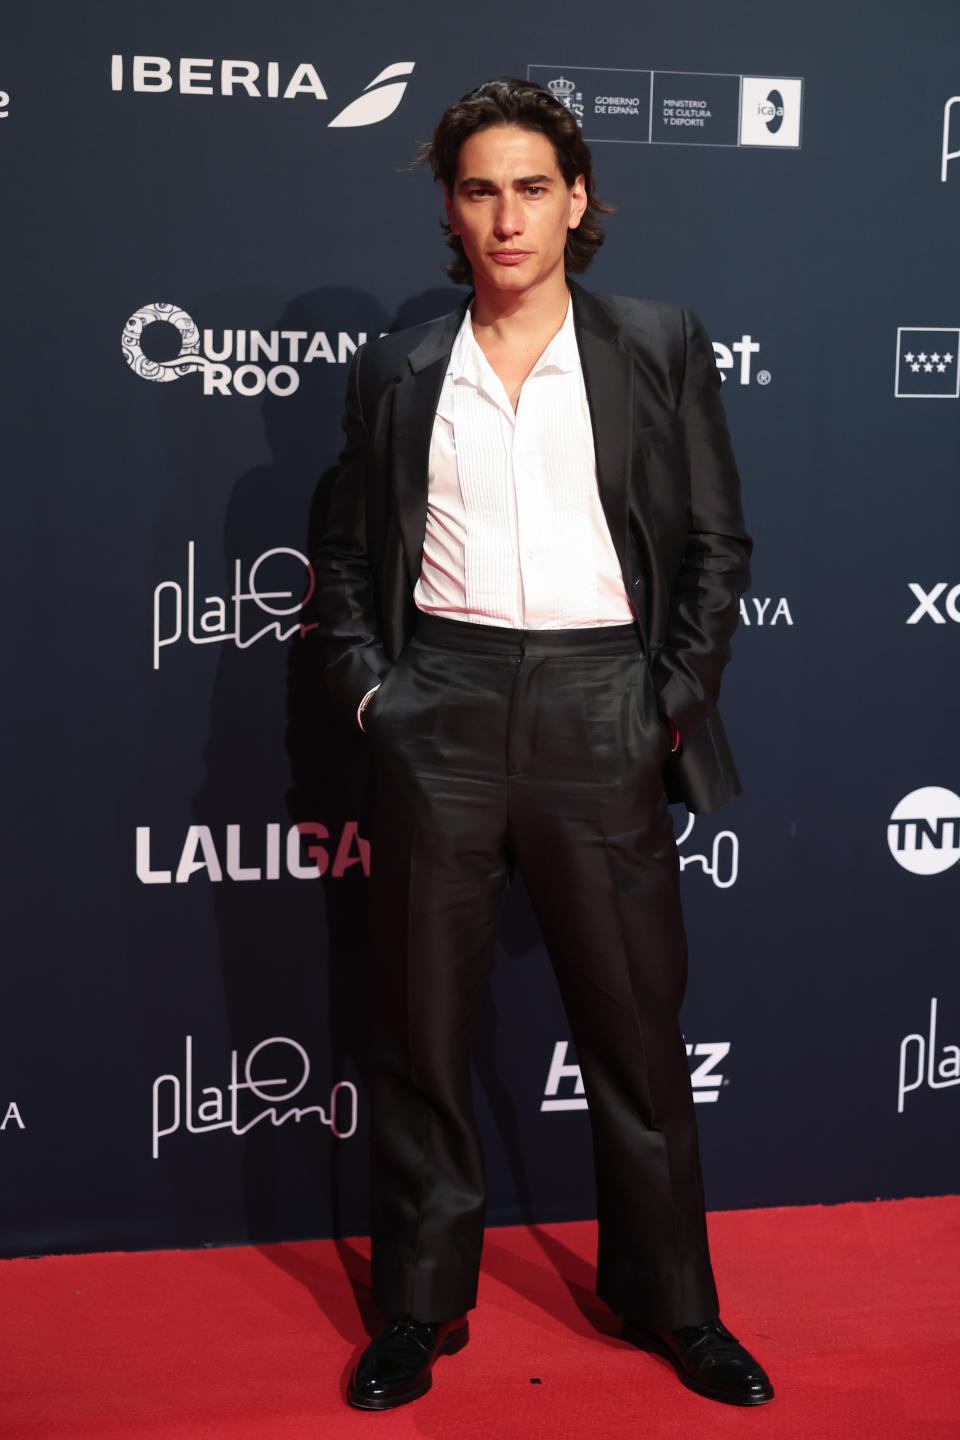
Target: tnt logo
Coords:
[[927, 366], [924, 830], [704, 1078]]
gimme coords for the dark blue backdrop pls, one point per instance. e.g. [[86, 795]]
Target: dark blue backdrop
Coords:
[[195, 241]]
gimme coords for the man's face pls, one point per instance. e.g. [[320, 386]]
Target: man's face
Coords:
[[512, 208]]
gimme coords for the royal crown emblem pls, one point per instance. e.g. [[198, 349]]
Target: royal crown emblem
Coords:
[[561, 88]]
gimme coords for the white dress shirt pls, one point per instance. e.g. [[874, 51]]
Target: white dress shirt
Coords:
[[515, 534]]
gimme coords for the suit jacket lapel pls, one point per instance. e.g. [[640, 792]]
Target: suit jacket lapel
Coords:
[[608, 373], [414, 407], [609, 381]]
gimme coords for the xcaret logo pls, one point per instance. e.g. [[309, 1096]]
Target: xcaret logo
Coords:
[[157, 75], [924, 830], [232, 362], [274, 1072], [746, 347], [566, 1077], [939, 1068]]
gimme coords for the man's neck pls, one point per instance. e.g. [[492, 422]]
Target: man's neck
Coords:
[[521, 318]]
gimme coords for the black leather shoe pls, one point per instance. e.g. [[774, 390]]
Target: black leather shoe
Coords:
[[708, 1359], [395, 1367]]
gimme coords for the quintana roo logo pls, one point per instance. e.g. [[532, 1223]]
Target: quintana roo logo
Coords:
[[162, 369]]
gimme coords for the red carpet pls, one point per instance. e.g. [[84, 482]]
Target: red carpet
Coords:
[[853, 1309]]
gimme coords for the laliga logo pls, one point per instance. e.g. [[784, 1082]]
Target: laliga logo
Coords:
[[153, 74], [723, 862], [209, 1114], [924, 830], [948, 1068], [199, 854], [282, 348]]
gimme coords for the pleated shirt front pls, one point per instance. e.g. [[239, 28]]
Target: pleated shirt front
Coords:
[[515, 532]]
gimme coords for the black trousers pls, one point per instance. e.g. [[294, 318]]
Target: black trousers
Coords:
[[542, 749]]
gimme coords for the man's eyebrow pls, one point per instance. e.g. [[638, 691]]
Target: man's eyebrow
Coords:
[[492, 184]]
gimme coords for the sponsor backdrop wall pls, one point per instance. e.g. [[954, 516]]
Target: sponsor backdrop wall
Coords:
[[205, 211]]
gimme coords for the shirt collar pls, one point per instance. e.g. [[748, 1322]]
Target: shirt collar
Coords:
[[468, 362]]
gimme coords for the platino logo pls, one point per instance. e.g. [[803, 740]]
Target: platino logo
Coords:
[[12, 1116], [927, 366], [924, 830], [154, 75], [246, 349], [938, 1074], [946, 154], [722, 864], [174, 1096], [704, 1079], [199, 854], [279, 583], [928, 603]]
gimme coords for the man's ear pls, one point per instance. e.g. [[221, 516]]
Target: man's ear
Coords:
[[578, 202]]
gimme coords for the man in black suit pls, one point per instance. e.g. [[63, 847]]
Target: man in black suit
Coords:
[[527, 584]]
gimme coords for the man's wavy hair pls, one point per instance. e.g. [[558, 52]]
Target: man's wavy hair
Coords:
[[508, 101]]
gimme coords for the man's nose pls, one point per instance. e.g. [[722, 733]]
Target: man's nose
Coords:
[[509, 217]]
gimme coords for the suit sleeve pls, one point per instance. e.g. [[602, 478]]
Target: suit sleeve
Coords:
[[715, 566], [344, 601]]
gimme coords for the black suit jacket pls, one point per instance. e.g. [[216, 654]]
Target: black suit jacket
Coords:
[[668, 485]]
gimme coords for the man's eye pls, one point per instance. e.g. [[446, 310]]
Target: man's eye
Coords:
[[534, 190]]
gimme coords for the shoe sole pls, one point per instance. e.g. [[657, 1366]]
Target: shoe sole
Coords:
[[653, 1346], [454, 1342]]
